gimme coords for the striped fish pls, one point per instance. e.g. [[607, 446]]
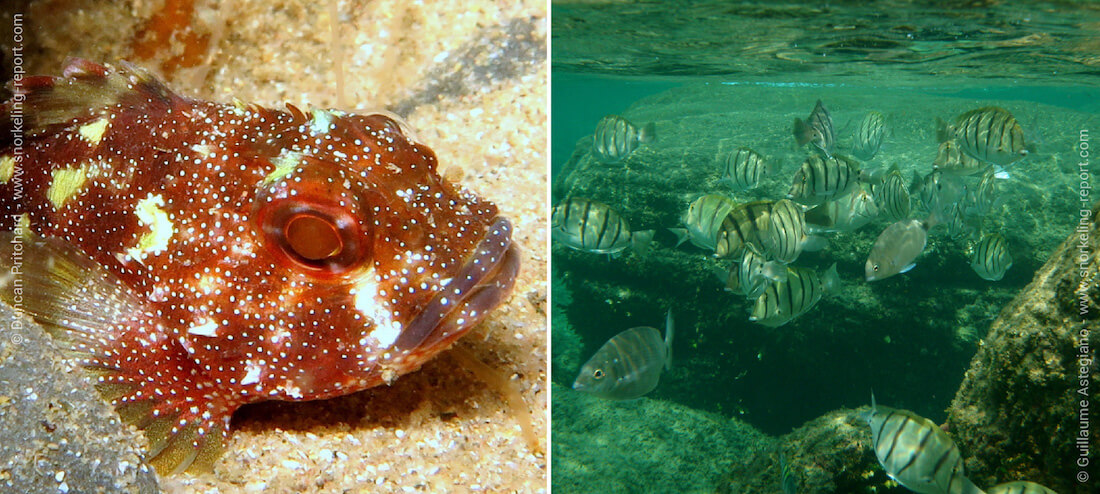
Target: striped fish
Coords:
[[786, 233], [990, 258], [869, 136], [823, 179], [702, 220], [592, 226], [616, 138], [916, 453], [846, 214], [785, 300], [629, 365], [981, 199], [893, 196], [951, 160], [990, 134], [743, 168], [1019, 487], [751, 275], [957, 225], [817, 130], [742, 228]]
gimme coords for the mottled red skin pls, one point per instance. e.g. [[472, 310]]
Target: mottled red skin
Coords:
[[225, 313]]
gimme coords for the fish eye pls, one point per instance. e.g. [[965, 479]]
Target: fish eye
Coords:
[[875, 268], [312, 237], [323, 240], [597, 374]]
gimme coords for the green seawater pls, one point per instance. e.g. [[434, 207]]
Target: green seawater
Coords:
[[713, 76]]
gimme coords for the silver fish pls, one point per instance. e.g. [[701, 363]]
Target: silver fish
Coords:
[[893, 196], [742, 229], [896, 249], [846, 214], [751, 275], [743, 168], [786, 233], [702, 220], [592, 226], [616, 138], [785, 300], [916, 453], [869, 136], [823, 179], [989, 134], [990, 258], [951, 160], [1019, 487], [817, 130], [629, 365]]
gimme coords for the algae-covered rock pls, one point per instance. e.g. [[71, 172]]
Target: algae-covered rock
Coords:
[[566, 344], [1017, 415], [56, 434], [831, 453], [643, 445]]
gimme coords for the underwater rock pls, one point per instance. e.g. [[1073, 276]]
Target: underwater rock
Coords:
[[1016, 415], [56, 433], [831, 453], [566, 344], [617, 446]]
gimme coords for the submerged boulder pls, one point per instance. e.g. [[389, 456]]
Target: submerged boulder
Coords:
[[1018, 414]]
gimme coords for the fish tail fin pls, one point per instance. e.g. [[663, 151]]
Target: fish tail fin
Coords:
[[670, 330], [802, 132], [648, 133], [916, 183], [944, 131], [831, 280], [681, 235], [97, 320], [641, 240]]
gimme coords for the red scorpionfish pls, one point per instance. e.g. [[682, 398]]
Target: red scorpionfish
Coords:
[[198, 256]]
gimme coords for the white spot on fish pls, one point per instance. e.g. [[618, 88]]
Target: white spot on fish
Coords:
[[210, 328], [321, 122], [252, 374], [160, 232]]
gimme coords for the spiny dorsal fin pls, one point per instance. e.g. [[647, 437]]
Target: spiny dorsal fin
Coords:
[[85, 89]]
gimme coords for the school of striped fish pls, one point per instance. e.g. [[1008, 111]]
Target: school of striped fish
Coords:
[[840, 186]]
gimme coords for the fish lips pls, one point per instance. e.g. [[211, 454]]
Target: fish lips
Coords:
[[482, 283]]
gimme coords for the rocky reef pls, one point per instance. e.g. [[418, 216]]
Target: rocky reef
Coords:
[[1018, 414], [653, 445]]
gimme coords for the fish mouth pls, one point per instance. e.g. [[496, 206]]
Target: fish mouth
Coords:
[[483, 282]]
